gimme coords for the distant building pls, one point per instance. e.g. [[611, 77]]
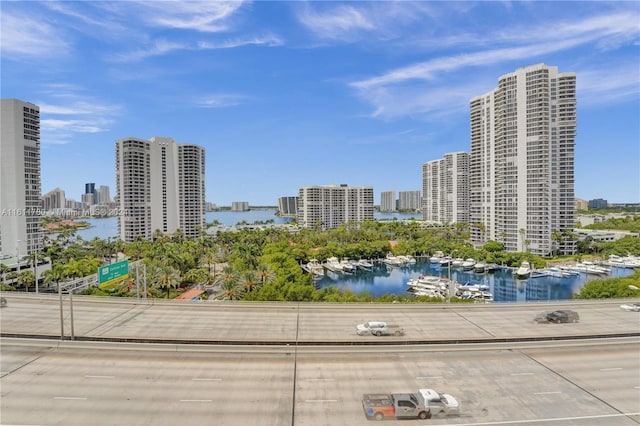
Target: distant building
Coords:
[[445, 189], [521, 165], [239, 206], [20, 191], [160, 187], [388, 201], [288, 206], [88, 199], [581, 204], [409, 200], [54, 200], [102, 195], [598, 203], [325, 207]]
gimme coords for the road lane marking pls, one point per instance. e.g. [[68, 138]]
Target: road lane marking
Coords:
[[521, 374], [99, 377], [611, 369], [195, 400], [428, 377], [547, 420], [546, 393], [320, 380], [320, 400], [79, 398], [206, 380]]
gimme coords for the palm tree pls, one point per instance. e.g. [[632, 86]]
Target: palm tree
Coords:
[[3, 270], [27, 279], [230, 290], [522, 232], [265, 275], [250, 281], [54, 275], [168, 279]]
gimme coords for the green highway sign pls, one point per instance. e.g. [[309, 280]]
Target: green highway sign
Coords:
[[112, 273]]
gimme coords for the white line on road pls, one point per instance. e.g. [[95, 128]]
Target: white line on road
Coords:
[[550, 420], [70, 398], [206, 380], [100, 377], [428, 377], [611, 369], [195, 400], [320, 380], [522, 374], [546, 393], [320, 400]]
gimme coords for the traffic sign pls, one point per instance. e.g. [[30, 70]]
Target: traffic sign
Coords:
[[113, 273]]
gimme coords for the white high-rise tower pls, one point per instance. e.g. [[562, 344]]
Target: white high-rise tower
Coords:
[[522, 161], [160, 187], [20, 191]]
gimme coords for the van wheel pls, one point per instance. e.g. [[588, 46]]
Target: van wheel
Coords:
[[423, 415], [379, 416]]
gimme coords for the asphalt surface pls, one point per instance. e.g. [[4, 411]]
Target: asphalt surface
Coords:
[[581, 381]]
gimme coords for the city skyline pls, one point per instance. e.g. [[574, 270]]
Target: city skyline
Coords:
[[284, 95]]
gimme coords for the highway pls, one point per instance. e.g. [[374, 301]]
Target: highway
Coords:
[[257, 375]]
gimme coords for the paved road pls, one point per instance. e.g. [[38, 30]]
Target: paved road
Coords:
[[290, 322], [81, 383], [63, 382]]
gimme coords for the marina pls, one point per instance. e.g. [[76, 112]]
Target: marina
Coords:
[[434, 276]]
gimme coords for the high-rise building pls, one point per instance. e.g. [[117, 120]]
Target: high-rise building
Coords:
[[191, 190], [288, 206], [597, 203], [521, 167], [445, 189], [325, 207], [103, 195], [20, 191], [160, 187], [388, 201], [239, 206], [409, 200], [53, 200]]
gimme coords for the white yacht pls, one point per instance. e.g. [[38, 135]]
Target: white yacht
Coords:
[[314, 267], [524, 271], [479, 267], [468, 264], [333, 264]]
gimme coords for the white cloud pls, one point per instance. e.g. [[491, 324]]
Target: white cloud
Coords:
[[68, 112], [24, 35], [220, 100], [202, 16], [357, 21], [433, 86]]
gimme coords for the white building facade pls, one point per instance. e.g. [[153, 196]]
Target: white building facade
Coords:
[[325, 207], [20, 187], [388, 201], [155, 192], [522, 160], [445, 189], [409, 200]]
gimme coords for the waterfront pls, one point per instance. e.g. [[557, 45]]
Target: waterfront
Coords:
[[383, 279], [108, 227]]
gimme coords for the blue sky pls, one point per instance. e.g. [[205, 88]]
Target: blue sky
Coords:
[[291, 94]]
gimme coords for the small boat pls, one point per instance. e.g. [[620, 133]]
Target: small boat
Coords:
[[491, 267], [479, 267], [333, 264], [347, 265], [364, 264], [524, 271], [314, 267], [468, 264]]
